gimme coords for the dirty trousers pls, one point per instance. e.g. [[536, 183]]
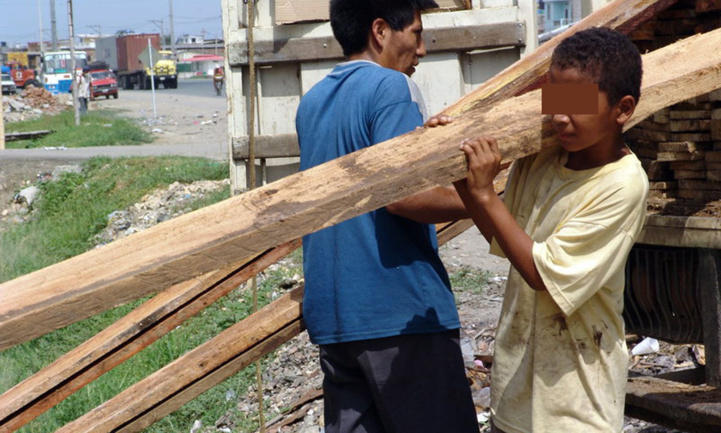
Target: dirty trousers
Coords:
[[404, 384]]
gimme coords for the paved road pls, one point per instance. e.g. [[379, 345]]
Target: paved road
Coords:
[[217, 152], [183, 109]]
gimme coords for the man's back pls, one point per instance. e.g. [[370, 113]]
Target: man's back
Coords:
[[376, 275]]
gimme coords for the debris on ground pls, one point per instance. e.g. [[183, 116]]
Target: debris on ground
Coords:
[[32, 103], [154, 208]]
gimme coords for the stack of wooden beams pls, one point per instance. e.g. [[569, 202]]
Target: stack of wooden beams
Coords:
[[680, 146], [685, 18]]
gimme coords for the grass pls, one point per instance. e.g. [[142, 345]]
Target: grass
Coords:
[[97, 128], [67, 217], [469, 279], [74, 209]]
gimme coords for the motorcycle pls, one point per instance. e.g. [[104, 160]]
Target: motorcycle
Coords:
[[218, 80]]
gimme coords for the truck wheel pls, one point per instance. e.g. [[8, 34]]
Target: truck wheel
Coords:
[[31, 83], [115, 96], [107, 96]]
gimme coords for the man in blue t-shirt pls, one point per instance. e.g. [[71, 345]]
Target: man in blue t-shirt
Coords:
[[377, 297]]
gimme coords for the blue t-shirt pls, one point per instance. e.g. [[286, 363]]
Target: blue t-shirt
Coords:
[[376, 275]]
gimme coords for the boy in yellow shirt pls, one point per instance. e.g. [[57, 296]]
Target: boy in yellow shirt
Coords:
[[571, 215]]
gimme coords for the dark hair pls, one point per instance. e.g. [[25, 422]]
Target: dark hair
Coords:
[[351, 20], [606, 57]]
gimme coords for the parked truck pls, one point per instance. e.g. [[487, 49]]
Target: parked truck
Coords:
[[22, 75], [123, 55]]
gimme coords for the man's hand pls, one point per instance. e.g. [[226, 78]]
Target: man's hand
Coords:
[[438, 120], [484, 163]]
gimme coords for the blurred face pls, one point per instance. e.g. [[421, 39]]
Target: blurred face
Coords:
[[590, 134], [402, 50]]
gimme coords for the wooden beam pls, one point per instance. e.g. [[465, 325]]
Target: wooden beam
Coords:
[[17, 136], [267, 146], [530, 72], [198, 370], [674, 404], [126, 337], [244, 226], [170, 397], [466, 38], [709, 284]]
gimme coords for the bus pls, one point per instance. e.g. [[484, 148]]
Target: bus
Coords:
[[57, 77]]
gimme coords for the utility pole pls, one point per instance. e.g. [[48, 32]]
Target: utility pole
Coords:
[[40, 25], [172, 32], [73, 65], [159, 23], [53, 26]]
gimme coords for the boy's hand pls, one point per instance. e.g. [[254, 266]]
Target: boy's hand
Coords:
[[438, 120], [484, 163]]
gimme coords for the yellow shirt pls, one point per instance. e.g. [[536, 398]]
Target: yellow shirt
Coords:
[[560, 356]]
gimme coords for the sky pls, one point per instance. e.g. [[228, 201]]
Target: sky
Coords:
[[19, 19]]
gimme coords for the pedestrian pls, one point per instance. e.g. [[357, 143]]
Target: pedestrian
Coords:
[[377, 299], [572, 213], [83, 91]]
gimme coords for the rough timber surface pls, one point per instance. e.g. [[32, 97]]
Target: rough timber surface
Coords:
[[239, 228]]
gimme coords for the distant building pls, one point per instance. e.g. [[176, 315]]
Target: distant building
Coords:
[[553, 14], [190, 40]]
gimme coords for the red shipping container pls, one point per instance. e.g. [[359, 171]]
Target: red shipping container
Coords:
[[130, 46]]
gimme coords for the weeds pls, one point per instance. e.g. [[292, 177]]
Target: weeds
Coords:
[[97, 128]]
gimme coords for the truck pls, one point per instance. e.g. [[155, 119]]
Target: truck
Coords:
[[122, 53], [102, 81], [23, 76]]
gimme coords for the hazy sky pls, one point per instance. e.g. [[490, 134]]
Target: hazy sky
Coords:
[[19, 20]]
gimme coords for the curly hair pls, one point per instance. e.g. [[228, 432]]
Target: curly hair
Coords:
[[351, 19], [606, 57]]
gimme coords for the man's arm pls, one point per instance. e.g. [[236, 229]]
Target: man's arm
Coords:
[[490, 213], [437, 205]]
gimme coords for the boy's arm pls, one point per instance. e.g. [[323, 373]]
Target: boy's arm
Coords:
[[435, 206], [490, 213]]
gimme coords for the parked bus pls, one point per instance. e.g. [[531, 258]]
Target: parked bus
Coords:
[[57, 73]]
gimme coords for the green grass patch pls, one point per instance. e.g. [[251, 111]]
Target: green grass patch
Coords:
[[73, 209], [65, 220], [97, 128], [469, 279]]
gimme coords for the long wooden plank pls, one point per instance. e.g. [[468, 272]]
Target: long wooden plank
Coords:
[[530, 72], [244, 226], [35, 395], [695, 408], [17, 136], [485, 36], [198, 370], [143, 326]]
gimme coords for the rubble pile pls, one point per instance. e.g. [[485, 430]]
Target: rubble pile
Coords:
[[32, 103], [155, 208]]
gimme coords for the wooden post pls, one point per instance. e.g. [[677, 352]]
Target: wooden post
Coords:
[[241, 227], [709, 279], [2, 126]]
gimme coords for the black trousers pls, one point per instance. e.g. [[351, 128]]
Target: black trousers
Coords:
[[405, 384]]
